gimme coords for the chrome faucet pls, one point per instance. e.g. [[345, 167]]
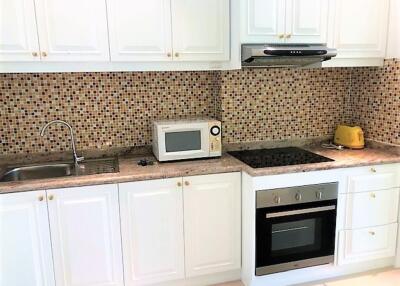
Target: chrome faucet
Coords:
[[75, 156]]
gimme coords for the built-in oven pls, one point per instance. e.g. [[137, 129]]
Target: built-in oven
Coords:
[[295, 227]]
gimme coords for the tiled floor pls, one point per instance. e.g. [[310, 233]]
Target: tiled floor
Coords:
[[383, 278]]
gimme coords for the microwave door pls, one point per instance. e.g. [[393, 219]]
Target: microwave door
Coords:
[[182, 143]]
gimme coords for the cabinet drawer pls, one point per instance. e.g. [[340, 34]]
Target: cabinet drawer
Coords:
[[374, 178], [367, 244], [372, 208]]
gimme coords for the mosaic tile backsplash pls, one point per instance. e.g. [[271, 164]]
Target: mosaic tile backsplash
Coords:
[[116, 109], [375, 101]]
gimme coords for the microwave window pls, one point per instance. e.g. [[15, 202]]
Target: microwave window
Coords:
[[183, 141]]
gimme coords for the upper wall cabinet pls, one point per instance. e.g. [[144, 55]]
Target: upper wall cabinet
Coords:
[[18, 36], [200, 30], [140, 30], [72, 30], [166, 30], [284, 21], [361, 28], [306, 21]]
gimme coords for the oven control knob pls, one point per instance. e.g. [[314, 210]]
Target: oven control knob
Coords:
[[298, 197], [318, 195], [277, 199], [215, 130]]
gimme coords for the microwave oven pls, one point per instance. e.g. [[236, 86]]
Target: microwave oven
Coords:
[[186, 139]]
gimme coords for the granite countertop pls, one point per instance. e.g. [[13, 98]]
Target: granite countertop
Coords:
[[130, 171]]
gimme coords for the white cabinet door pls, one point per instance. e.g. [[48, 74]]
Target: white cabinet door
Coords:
[[85, 233], [73, 30], [152, 231], [212, 208], [200, 30], [306, 21], [140, 30], [25, 248], [263, 21], [18, 34], [361, 28]]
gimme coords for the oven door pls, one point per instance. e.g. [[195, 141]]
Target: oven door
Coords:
[[295, 236], [183, 141]]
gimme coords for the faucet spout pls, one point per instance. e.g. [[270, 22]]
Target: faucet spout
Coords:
[[76, 158]]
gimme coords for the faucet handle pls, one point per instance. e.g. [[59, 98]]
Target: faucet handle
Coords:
[[80, 159]]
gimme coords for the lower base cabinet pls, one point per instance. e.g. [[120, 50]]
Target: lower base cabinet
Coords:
[[152, 231], [25, 252], [180, 228], [85, 236], [172, 229], [212, 208]]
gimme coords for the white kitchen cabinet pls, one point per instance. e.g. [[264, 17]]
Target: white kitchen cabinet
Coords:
[[212, 208], [360, 30], [18, 34], [372, 208], [72, 30], [262, 21], [25, 250], [152, 231], [200, 30], [369, 229], [289, 21], [367, 244], [307, 21], [140, 30], [85, 235]]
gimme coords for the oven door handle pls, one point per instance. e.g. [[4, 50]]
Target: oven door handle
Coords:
[[303, 211]]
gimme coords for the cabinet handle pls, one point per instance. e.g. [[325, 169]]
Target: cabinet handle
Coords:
[[288, 36], [44, 54], [372, 232], [179, 184], [35, 54], [176, 55], [373, 196], [373, 170], [281, 36], [187, 183], [51, 197], [40, 198], [169, 55]]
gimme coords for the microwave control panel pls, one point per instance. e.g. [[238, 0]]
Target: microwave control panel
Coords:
[[215, 138]]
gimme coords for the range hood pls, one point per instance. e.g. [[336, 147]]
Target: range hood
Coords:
[[285, 55]]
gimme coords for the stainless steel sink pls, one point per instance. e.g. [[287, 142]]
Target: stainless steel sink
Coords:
[[63, 169]]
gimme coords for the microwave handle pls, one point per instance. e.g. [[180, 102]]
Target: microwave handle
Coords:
[[303, 211]]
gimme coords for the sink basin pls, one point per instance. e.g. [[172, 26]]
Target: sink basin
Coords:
[[64, 169], [37, 172]]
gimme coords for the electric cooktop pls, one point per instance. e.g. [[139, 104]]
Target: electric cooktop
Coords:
[[262, 158]]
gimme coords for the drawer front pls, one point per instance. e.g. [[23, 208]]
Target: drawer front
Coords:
[[367, 244], [372, 208], [374, 179]]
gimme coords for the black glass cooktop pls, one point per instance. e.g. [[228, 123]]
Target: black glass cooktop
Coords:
[[276, 157]]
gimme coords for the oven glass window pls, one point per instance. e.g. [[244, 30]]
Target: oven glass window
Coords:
[[183, 141], [288, 238], [296, 236]]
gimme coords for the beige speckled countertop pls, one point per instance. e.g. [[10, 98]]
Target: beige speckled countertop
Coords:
[[130, 171]]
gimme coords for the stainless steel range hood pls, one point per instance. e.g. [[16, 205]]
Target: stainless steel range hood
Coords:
[[285, 55]]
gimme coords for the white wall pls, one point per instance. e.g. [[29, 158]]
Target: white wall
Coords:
[[393, 48]]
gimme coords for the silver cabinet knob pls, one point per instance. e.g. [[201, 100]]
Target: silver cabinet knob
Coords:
[[277, 200], [318, 195], [298, 197]]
